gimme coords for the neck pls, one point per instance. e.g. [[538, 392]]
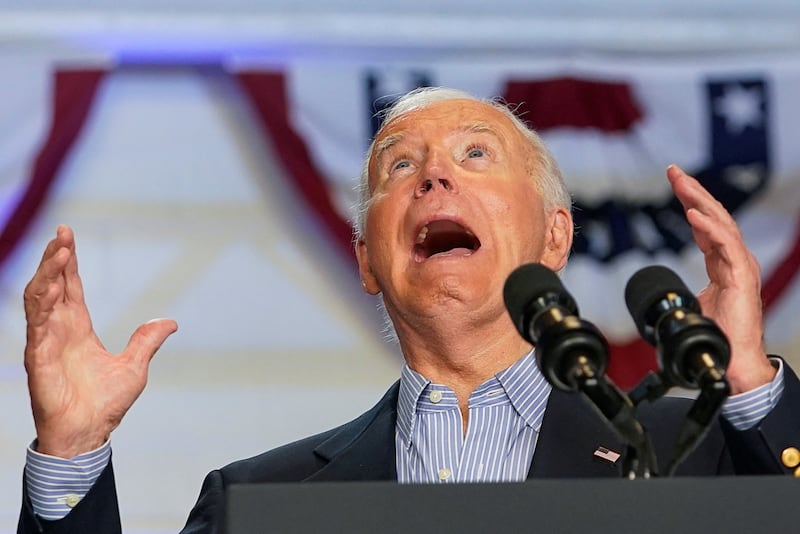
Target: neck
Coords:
[[460, 355]]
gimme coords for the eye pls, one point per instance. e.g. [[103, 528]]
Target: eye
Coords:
[[400, 161], [477, 151]]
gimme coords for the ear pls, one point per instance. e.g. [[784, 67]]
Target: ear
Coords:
[[368, 280], [558, 240]]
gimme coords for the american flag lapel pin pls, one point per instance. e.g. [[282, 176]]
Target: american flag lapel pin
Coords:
[[607, 455]]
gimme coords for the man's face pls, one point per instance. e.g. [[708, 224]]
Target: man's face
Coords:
[[453, 210]]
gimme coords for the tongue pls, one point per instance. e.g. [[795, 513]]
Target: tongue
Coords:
[[458, 251], [446, 238]]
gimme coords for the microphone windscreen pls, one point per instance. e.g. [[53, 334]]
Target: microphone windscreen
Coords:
[[647, 287], [526, 284]]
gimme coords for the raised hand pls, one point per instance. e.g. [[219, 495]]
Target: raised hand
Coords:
[[733, 295], [79, 392]]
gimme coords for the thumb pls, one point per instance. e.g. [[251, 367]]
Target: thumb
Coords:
[[147, 339]]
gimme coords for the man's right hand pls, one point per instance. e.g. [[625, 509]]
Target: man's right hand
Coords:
[[79, 392]]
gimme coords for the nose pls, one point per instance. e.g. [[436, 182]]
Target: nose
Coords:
[[435, 176], [429, 184]]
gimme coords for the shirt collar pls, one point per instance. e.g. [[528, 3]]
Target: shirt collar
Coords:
[[524, 384], [527, 389], [412, 384]]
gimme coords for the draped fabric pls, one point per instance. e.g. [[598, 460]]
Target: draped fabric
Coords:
[[267, 93], [73, 93]]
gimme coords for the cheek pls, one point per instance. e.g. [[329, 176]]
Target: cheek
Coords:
[[382, 227], [378, 212], [515, 207], [520, 223]]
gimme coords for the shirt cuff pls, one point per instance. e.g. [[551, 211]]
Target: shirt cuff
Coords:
[[57, 485], [746, 410]]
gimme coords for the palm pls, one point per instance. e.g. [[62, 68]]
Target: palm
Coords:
[[79, 392]]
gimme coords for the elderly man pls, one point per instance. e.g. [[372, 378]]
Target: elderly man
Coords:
[[456, 193]]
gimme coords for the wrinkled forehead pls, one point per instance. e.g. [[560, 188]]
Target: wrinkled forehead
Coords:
[[448, 117]]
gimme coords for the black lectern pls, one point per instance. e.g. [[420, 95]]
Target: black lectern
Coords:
[[668, 505]]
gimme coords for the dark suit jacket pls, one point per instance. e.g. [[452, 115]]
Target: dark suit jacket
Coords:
[[363, 449]]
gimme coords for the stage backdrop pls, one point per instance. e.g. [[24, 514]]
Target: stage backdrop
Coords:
[[219, 195]]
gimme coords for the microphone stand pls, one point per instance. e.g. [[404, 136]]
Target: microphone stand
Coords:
[[692, 351], [714, 389], [640, 459], [572, 355]]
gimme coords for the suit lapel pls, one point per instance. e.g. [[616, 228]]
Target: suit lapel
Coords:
[[365, 448], [571, 432]]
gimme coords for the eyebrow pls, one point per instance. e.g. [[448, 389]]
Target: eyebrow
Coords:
[[385, 144], [471, 127]]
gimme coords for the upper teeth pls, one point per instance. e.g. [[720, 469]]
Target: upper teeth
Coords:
[[423, 233]]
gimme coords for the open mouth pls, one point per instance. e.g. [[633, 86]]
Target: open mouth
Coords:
[[444, 238]]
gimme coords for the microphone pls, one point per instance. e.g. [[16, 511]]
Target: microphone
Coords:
[[692, 350], [546, 315], [573, 354]]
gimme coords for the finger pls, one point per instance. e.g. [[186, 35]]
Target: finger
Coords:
[[729, 263], [147, 339], [64, 238], [46, 288], [53, 260], [73, 287], [691, 194], [689, 191], [39, 306], [710, 234], [712, 224]]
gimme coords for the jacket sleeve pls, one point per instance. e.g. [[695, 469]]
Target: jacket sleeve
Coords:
[[97, 512], [207, 516], [758, 450]]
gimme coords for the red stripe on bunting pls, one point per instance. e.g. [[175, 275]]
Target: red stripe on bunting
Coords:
[[560, 102], [783, 274], [267, 92], [73, 94]]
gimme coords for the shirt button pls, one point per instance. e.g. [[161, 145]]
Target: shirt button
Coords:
[[444, 473], [436, 396], [72, 500]]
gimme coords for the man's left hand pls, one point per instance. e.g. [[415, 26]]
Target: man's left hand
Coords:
[[732, 297]]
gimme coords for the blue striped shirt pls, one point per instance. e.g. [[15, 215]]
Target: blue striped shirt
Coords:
[[505, 416], [747, 409], [56, 485]]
